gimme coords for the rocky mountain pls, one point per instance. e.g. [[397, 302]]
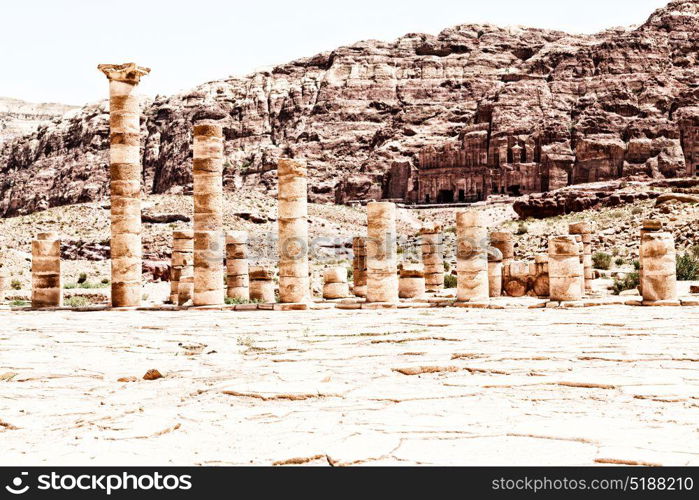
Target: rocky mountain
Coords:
[[18, 118], [358, 111]]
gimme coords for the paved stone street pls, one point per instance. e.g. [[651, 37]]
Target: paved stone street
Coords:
[[582, 386]]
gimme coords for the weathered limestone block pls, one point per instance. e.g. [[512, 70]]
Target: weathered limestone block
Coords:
[[208, 214], [237, 280], [46, 271], [411, 283], [503, 241], [262, 285], [335, 284], [359, 270], [494, 272], [516, 278], [659, 271], [382, 278], [125, 182], [431, 249], [565, 271], [182, 257], [185, 287], [294, 282], [471, 256], [540, 286], [647, 226], [585, 231]]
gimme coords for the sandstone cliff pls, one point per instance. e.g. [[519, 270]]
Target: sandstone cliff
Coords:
[[612, 102], [19, 117]]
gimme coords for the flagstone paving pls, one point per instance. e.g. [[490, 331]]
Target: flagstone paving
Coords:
[[581, 386]]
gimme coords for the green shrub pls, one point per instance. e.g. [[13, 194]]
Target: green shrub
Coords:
[[350, 273], [695, 251], [636, 211], [77, 301], [619, 261], [628, 282], [601, 260], [447, 266], [687, 267], [522, 228], [16, 284], [636, 265], [449, 281], [450, 229], [19, 303], [82, 278], [232, 301]]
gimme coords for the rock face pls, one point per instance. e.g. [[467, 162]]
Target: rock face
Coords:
[[19, 117], [622, 102]]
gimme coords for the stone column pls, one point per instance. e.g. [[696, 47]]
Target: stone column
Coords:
[[471, 256], [411, 284], [647, 226], [125, 182], [335, 284], [432, 257], [237, 265], [208, 214], [294, 283], [261, 285], [585, 231], [46, 271], [359, 266], [182, 261], [382, 280], [581, 249], [565, 273], [659, 281], [541, 275], [494, 272], [503, 241]]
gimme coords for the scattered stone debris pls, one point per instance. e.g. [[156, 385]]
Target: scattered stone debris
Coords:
[[152, 374]]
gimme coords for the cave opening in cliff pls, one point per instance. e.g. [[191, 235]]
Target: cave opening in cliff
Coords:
[[514, 190], [445, 196], [462, 195]]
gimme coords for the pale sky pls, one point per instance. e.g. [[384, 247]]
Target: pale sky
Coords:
[[50, 49]]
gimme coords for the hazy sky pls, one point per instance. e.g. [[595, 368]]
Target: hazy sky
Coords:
[[50, 49]]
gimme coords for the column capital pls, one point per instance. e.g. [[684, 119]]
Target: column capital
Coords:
[[127, 72]]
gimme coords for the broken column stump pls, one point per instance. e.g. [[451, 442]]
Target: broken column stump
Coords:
[[382, 278], [565, 271], [335, 285], [359, 270], [46, 271], [237, 280]]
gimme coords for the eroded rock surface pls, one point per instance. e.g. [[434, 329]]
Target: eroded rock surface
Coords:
[[622, 102]]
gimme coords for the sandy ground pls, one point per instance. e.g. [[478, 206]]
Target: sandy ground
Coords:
[[585, 386]]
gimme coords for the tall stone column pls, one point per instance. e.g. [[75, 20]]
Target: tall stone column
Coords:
[[294, 283], [647, 226], [565, 271], [471, 256], [659, 281], [125, 182], [46, 271], [359, 270], [382, 268], [585, 231], [208, 214], [182, 261], [238, 280], [432, 257]]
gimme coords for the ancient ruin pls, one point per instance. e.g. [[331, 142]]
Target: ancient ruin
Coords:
[[237, 278], [382, 278], [125, 181], [566, 281], [658, 282], [359, 270], [46, 271], [293, 232], [182, 261], [411, 283], [585, 232], [208, 214], [494, 272], [262, 285], [471, 256], [335, 285], [432, 251]]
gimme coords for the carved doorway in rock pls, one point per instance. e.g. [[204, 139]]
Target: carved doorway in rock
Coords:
[[445, 196]]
